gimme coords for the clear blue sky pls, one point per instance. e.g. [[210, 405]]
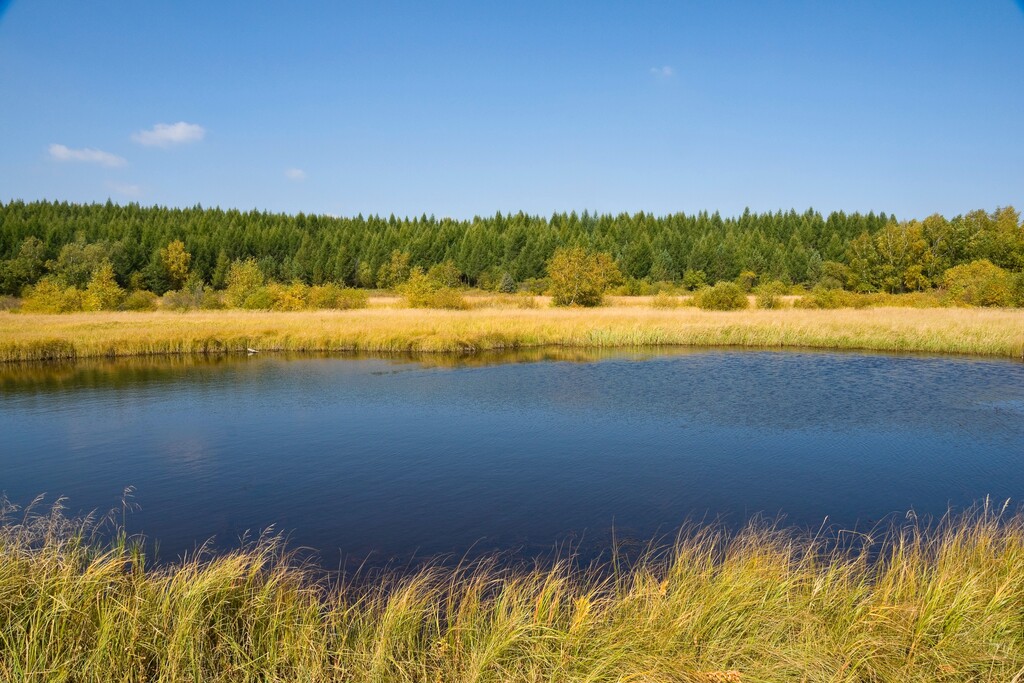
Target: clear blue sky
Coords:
[[468, 108]]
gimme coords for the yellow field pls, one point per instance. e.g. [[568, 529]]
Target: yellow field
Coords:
[[992, 332]]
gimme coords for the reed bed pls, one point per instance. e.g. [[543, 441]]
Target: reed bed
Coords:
[[912, 603], [26, 337]]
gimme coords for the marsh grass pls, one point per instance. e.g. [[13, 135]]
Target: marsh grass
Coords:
[[28, 337], [913, 602]]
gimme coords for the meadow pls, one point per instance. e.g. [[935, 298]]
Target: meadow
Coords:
[[909, 602], [626, 322]]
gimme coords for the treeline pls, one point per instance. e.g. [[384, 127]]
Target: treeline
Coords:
[[69, 243]]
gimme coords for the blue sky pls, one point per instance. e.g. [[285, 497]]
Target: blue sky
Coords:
[[456, 109]]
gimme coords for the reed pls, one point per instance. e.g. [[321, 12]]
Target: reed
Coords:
[[27, 337], [912, 603]]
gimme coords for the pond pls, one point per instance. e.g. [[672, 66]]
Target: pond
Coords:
[[387, 459]]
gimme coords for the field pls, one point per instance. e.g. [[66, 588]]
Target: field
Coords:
[[905, 604], [625, 323]]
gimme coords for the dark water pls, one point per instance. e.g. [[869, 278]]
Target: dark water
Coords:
[[388, 458]]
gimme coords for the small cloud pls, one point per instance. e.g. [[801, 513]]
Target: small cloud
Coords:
[[663, 71], [126, 189], [167, 134], [296, 174], [86, 154]]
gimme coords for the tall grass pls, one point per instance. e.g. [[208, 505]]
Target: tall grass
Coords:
[[911, 603], [994, 332]]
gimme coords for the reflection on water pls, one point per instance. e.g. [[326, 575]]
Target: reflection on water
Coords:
[[390, 457]]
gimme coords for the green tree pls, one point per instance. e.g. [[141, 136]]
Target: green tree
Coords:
[[25, 268]]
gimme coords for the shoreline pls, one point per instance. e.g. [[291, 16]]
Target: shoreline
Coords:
[[957, 331]]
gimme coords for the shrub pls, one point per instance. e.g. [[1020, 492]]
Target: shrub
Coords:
[[746, 280], [980, 283], [333, 296], [724, 296], [395, 271], [261, 299], [244, 280], [103, 293], [140, 300], [48, 296], [177, 300], [421, 291], [769, 295], [579, 277], [445, 274], [9, 303], [293, 297], [694, 279], [665, 300]]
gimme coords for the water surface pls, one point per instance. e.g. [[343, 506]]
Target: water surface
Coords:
[[392, 458]]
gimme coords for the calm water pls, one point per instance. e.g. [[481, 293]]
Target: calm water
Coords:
[[392, 458]]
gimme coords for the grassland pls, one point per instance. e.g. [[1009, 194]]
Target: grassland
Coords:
[[624, 324], [912, 604]]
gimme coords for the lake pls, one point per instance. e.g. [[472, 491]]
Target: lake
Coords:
[[387, 459]]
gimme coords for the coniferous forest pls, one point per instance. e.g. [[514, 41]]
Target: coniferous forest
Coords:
[[859, 252]]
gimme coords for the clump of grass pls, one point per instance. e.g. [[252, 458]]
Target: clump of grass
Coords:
[[911, 603]]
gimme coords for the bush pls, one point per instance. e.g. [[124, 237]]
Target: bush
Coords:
[[445, 274], [103, 293], [293, 297], [48, 296], [724, 296], [177, 300], [335, 297], [579, 277], [260, 299], [665, 300], [694, 280], [770, 295], [822, 298], [421, 291], [9, 303], [245, 279], [980, 283], [140, 300]]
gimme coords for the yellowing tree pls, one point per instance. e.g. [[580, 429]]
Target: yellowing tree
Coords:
[[103, 293], [244, 279], [580, 277], [176, 262]]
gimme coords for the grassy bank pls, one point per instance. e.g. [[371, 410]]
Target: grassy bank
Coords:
[[764, 605], [993, 332]]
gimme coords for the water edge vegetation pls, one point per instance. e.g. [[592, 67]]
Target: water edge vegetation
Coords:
[[908, 602]]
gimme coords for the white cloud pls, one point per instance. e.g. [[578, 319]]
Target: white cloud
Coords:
[[296, 174], [663, 71], [86, 154], [126, 189], [167, 134]]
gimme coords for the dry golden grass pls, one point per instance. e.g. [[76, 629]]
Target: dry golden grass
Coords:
[[910, 605], [992, 332]]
